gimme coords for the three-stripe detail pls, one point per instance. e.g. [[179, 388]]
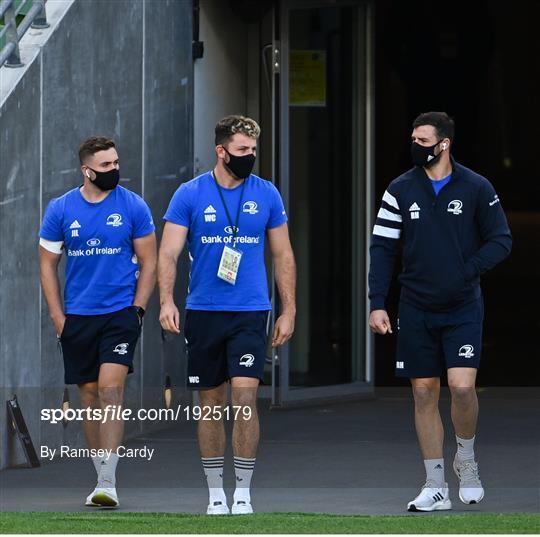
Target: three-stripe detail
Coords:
[[389, 221], [213, 462], [244, 464]]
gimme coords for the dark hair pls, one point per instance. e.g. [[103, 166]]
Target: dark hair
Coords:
[[227, 127], [94, 144], [440, 121]]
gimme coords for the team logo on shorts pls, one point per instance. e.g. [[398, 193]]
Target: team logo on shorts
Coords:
[[114, 220], [455, 207], [247, 360], [466, 351], [121, 348]]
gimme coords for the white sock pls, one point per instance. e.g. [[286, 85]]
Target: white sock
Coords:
[[107, 471], [97, 463], [465, 448], [243, 468], [213, 469], [435, 471]]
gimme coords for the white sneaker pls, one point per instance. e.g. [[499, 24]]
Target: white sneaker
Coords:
[[431, 498], [217, 508], [470, 486], [89, 502], [105, 497], [242, 508]]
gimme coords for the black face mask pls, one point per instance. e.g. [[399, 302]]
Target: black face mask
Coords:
[[240, 167], [424, 156], [106, 180]]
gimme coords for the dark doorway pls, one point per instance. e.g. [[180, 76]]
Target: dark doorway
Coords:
[[321, 199], [478, 61]]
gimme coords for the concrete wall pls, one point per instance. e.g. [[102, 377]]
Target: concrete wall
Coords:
[[226, 77], [121, 69]]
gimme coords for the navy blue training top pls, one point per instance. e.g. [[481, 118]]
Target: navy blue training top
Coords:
[[448, 239]]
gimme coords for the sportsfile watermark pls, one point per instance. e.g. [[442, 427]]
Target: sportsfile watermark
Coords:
[[119, 413]]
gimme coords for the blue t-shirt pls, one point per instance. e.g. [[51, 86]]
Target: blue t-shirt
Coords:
[[102, 269], [197, 205], [437, 185]]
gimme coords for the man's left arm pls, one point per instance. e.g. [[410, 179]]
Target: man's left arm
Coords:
[[494, 234], [285, 269], [146, 251]]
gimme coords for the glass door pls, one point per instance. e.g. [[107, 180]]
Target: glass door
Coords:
[[321, 71]]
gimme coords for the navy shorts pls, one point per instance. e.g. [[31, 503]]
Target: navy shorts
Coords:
[[221, 345], [91, 340], [427, 342]]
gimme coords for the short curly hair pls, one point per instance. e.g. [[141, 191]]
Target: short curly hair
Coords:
[[93, 145], [227, 127]]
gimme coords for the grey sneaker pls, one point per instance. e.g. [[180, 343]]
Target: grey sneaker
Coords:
[[470, 486]]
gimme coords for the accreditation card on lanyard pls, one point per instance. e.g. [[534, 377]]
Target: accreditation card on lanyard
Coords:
[[231, 257]]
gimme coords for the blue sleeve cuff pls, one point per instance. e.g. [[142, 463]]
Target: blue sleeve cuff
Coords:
[[177, 221], [144, 232], [277, 223]]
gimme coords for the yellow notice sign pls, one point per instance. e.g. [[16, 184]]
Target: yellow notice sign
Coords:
[[307, 78]]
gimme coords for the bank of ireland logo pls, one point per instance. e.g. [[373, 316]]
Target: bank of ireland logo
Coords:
[[93, 242], [250, 207], [466, 351], [455, 207], [114, 220], [121, 348], [247, 360], [231, 229]]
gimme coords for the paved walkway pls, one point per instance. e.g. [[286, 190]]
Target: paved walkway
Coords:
[[353, 458]]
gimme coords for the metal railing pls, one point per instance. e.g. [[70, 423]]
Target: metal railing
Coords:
[[35, 18]]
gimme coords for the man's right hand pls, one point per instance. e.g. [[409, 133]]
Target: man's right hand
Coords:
[[379, 322], [59, 323], [169, 317]]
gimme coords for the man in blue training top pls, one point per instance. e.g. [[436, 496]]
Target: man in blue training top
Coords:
[[107, 233], [453, 230], [225, 215]]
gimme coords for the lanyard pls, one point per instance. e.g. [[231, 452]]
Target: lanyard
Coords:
[[234, 228]]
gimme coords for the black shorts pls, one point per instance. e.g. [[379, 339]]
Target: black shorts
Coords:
[[91, 340], [224, 344], [427, 342]]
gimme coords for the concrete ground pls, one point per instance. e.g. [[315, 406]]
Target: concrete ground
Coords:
[[349, 458]]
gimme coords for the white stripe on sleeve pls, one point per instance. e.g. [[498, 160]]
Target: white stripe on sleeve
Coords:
[[51, 246], [388, 232], [387, 215], [390, 200]]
